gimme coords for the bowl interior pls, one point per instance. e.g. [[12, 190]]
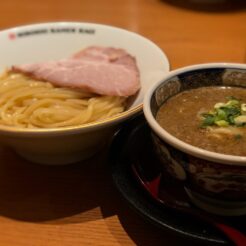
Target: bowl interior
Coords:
[[219, 74], [50, 41], [195, 79]]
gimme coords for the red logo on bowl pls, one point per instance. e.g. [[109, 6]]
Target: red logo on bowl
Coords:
[[12, 36]]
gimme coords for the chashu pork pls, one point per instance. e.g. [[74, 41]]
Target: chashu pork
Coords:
[[100, 70]]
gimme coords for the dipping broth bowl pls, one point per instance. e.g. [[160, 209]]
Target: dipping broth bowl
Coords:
[[214, 182], [53, 41]]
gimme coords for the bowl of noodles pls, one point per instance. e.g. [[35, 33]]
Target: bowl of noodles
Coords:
[[48, 115]]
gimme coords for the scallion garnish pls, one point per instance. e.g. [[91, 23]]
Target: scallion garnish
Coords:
[[233, 112]]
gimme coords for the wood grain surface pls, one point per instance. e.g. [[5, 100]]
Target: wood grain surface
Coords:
[[78, 204]]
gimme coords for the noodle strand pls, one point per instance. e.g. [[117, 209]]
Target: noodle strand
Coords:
[[29, 103]]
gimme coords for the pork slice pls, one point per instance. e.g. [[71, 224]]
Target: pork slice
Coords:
[[107, 54], [101, 53], [104, 71]]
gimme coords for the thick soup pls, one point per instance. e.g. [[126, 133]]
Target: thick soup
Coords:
[[212, 118]]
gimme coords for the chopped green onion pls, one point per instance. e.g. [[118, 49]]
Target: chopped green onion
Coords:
[[208, 120], [240, 120], [219, 105], [232, 112], [221, 114], [232, 103], [221, 123], [231, 120], [243, 108]]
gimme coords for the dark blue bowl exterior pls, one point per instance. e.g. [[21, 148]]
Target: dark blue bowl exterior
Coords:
[[215, 180]]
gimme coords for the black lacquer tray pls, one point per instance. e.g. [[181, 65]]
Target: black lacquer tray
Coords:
[[133, 144]]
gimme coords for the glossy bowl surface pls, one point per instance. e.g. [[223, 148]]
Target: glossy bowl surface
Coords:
[[51, 41], [214, 181]]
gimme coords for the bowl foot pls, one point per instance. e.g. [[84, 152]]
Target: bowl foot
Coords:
[[219, 207]]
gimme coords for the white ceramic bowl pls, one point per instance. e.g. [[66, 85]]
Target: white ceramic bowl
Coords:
[[50, 41]]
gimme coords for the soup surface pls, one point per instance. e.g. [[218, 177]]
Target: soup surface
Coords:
[[184, 116]]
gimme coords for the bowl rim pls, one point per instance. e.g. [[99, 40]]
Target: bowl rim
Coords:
[[88, 126], [177, 143]]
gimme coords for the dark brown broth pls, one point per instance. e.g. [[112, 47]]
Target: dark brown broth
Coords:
[[180, 116]]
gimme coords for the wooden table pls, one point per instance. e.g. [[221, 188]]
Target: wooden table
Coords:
[[78, 204]]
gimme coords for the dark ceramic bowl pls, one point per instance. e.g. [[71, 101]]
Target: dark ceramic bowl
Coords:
[[215, 182]]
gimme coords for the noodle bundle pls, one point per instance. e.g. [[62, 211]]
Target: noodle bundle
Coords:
[[29, 103]]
